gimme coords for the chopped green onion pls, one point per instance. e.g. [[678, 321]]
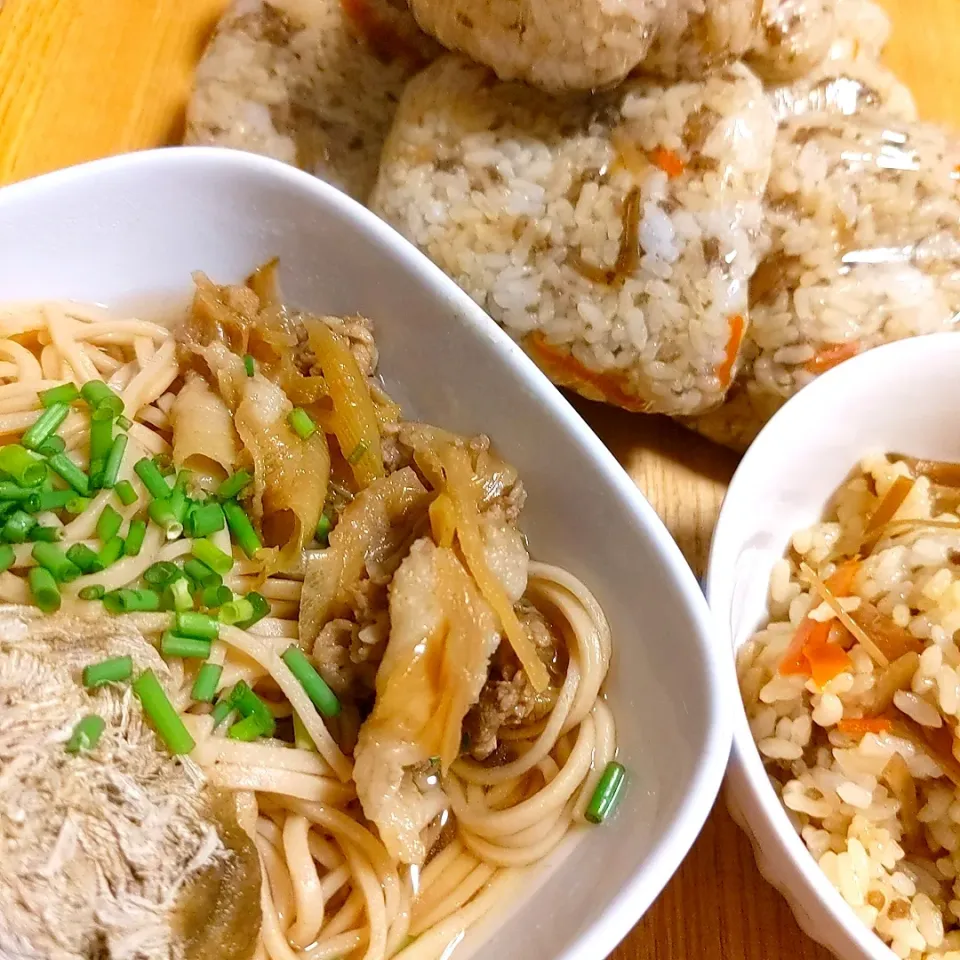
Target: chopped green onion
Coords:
[[46, 534], [180, 594], [7, 556], [135, 534], [200, 626], [205, 686], [164, 463], [76, 505], [52, 446], [210, 554], [65, 393], [247, 729], [241, 528], [114, 670], [250, 705], [124, 490], [52, 558], [161, 712], [111, 551], [324, 528], [85, 559], [261, 607], [233, 484], [103, 412], [86, 734], [17, 527], [223, 709], [172, 645], [152, 478], [94, 592], [30, 504], [301, 739], [101, 437], [100, 397], [124, 423], [607, 794], [131, 601], [201, 574], [17, 463], [108, 523], [7, 507], [303, 426], [216, 596], [234, 611], [163, 513], [206, 518], [61, 464], [161, 573], [55, 499], [13, 491], [114, 459], [322, 697], [248, 365], [183, 478], [44, 588], [179, 504], [356, 454], [45, 425]]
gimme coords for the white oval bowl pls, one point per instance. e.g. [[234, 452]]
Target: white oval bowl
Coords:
[[901, 397], [118, 230]]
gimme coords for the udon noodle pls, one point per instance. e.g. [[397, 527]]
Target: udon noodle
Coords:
[[389, 829]]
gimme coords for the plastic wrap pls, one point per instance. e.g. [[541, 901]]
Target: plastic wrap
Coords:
[[851, 78], [696, 36], [780, 39], [793, 38], [557, 45], [864, 227], [612, 236], [311, 82]]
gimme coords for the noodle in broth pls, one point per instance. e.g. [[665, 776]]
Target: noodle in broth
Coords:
[[343, 876]]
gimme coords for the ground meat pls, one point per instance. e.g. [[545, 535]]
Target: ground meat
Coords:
[[359, 333], [501, 484], [348, 654], [507, 698]]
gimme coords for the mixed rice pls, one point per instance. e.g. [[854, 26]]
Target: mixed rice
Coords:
[[853, 695], [614, 237], [314, 83], [861, 215]]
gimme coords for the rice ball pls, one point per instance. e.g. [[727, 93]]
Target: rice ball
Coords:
[[612, 236], [557, 45], [311, 82]]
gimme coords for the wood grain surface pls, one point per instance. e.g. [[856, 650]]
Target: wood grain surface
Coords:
[[81, 79]]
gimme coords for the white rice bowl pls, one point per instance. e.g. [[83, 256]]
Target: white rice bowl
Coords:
[[885, 831]]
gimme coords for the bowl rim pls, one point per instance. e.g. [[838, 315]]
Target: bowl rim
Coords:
[[746, 765], [621, 913]]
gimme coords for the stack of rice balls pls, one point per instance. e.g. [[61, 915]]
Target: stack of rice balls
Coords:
[[689, 207]]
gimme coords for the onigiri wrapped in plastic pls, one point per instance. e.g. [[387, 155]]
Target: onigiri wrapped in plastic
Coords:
[[613, 236], [864, 221], [311, 82], [557, 45]]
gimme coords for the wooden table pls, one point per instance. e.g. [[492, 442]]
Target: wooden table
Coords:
[[81, 79]]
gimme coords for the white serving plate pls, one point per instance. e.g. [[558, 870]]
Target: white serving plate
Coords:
[[119, 230], [903, 397]]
